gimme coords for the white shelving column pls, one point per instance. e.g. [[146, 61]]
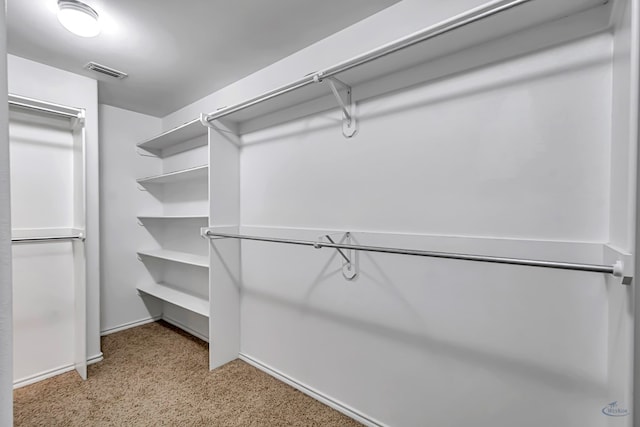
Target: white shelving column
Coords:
[[50, 227], [224, 282], [179, 266]]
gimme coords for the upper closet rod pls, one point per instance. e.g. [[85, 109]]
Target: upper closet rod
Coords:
[[455, 23], [615, 270], [44, 107], [43, 110]]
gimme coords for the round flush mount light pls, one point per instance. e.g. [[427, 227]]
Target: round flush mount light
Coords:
[[78, 18]]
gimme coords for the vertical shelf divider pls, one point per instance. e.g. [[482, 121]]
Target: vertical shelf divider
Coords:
[[224, 271]]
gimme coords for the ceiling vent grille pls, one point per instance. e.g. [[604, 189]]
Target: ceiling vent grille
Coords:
[[107, 71]]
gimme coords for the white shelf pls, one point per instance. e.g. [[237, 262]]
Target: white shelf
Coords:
[[172, 217], [175, 137], [177, 176], [175, 256], [181, 299], [371, 78]]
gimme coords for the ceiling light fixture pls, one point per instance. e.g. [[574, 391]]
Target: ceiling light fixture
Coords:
[[78, 18]]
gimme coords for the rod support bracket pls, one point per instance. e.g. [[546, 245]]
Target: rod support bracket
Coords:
[[349, 265], [204, 121], [347, 105], [622, 262], [78, 121], [619, 271], [205, 233]]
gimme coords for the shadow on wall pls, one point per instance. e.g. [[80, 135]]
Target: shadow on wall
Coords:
[[497, 363], [235, 278], [36, 131]]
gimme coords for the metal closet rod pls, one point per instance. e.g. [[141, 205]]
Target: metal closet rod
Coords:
[[43, 109], [615, 270], [45, 239], [447, 26]]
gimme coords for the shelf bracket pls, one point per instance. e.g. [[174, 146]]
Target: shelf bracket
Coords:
[[349, 264], [142, 153], [347, 105]]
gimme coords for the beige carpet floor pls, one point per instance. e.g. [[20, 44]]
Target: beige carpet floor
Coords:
[[157, 375]]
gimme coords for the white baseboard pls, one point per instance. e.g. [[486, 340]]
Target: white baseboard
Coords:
[[54, 372], [95, 359], [32, 379], [185, 328], [129, 325], [310, 391]]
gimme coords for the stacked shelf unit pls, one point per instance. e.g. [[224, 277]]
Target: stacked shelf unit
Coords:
[[179, 265]]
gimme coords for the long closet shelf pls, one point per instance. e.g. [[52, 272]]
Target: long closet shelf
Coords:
[[174, 137], [175, 256], [177, 176], [495, 19], [174, 296]]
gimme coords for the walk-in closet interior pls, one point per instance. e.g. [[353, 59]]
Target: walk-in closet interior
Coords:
[[388, 213]]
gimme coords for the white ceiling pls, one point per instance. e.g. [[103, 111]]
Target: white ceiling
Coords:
[[176, 52]]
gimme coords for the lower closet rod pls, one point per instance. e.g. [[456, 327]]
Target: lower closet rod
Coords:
[[615, 270], [44, 239]]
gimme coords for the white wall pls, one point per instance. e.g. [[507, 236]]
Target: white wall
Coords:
[[482, 154], [42, 172], [515, 165], [43, 309], [6, 317], [34, 80], [122, 202]]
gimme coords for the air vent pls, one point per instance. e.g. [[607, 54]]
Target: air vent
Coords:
[[105, 70]]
